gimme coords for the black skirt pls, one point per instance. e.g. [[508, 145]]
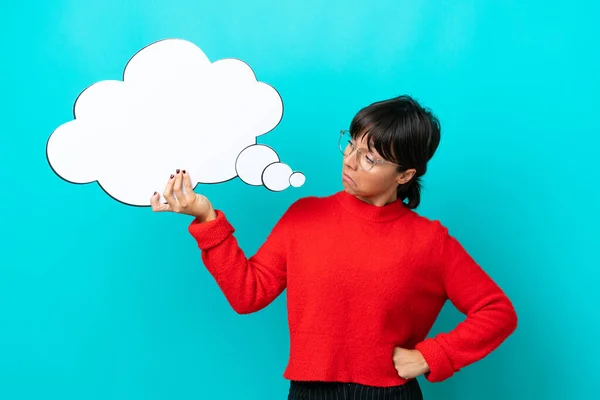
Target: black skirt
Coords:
[[300, 390]]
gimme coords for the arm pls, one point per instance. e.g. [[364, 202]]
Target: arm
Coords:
[[248, 284], [490, 316]]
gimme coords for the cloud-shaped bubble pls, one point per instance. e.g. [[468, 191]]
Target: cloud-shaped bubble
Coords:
[[173, 109], [260, 165]]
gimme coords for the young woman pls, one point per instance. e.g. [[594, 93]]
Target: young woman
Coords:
[[366, 276]]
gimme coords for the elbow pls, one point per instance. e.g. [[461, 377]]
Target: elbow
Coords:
[[241, 302], [249, 302], [508, 319], [242, 309], [245, 307], [503, 316], [512, 320]]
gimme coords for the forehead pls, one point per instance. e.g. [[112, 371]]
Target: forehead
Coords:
[[364, 140]]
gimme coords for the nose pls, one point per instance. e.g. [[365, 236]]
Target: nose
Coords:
[[350, 161]]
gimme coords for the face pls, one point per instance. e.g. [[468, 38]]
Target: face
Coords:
[[377, 186]]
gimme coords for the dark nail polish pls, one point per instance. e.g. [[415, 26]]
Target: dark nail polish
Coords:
[[183, 171], [155, 193], [172, 176], [177, 171]]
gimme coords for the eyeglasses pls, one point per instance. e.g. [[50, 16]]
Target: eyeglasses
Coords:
[[366, 161]]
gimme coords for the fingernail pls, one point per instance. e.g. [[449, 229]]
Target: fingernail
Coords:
[[177, 171], [172, 176], [184, 171], [155, 193]]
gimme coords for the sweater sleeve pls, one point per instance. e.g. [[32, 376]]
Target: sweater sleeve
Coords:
[[249, 284], [490, 315]]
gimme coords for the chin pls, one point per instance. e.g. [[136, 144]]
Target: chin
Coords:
[[348, 188]]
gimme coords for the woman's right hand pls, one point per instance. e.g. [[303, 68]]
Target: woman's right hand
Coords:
[[189, 203]]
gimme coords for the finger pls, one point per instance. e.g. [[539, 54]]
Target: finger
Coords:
[[187, 182], [188, 196], [177, 187], [155, 203], [168, 194], [403, 374]]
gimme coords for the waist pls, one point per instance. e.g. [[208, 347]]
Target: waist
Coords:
[[360, 360]]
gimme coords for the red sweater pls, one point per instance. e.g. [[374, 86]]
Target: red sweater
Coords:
[[361, 280]]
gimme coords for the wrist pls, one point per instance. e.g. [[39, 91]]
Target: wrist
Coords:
[[211, 216], [424, 365]]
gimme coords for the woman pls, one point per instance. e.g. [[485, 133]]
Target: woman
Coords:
[[366, 276]]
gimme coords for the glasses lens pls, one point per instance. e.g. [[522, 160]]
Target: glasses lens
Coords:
[[344, 143], [365, 160]]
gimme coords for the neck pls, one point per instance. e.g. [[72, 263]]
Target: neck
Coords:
[[370, 211], [381, 199]]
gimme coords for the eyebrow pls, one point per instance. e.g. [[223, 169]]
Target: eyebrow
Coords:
[[370, 144], [372, 151]]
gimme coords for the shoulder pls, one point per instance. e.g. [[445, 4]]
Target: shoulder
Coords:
[[429, 228], [442, 241], [310, 204], [308, 209]]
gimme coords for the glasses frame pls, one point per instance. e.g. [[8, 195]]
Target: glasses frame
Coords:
[[359, 152]]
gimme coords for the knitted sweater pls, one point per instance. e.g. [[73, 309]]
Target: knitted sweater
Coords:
[[361, 280]]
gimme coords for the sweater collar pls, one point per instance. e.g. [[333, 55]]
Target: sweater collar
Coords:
[[371, 212]]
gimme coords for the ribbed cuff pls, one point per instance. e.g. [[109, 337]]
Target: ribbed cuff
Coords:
[[440, 367], [211, 233]]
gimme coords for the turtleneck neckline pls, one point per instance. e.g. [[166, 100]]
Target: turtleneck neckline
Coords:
[[371, 212]]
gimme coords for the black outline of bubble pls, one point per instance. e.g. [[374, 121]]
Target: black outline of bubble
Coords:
[[244, 149], [296, 172], [262, 177], [122, 80]]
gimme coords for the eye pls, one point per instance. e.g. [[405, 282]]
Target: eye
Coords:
[[369, 159]]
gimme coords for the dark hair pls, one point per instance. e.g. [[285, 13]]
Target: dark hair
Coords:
[[403, 132]]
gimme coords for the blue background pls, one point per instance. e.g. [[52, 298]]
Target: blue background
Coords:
[[99, 300]]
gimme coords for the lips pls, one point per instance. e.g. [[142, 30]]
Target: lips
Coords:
[[347, 177]]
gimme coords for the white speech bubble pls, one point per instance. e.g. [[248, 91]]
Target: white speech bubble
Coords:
[[173, 109], [276, 176], [297, 179], [252, 161]]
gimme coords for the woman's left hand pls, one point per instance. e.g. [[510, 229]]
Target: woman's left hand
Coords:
[[409, 363]]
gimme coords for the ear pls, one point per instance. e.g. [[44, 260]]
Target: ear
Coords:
[[406, 176]]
